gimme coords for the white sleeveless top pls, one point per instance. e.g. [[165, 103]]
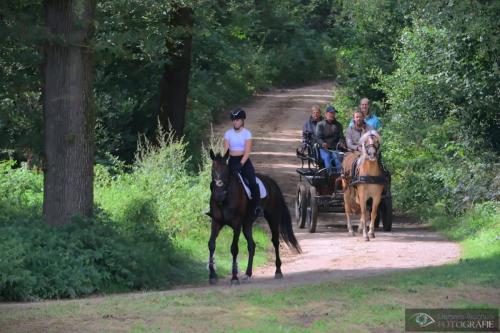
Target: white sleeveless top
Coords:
[[237, 140]]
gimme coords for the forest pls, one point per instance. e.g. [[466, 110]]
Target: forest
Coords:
[[106, 108]]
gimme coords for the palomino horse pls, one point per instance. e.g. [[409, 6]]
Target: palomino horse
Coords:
[[229, 205], [367, 181]]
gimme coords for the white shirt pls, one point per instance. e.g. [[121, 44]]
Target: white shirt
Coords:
[[237, 140]]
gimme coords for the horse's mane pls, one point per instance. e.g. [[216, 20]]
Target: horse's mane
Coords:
[[368, 134], [218, 157], [364, 137]]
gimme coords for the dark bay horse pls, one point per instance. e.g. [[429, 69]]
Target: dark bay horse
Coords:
[[229, 205], [369, 182]]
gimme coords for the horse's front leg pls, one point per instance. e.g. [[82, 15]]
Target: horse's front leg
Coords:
[[375, 204], [362, 221], [247, 232], [212, 277], [234, 252], [347, 207]]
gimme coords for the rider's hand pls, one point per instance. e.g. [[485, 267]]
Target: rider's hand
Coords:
[[324, 145], [237, 168]]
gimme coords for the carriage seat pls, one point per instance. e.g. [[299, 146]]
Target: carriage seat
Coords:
[[306, 171]]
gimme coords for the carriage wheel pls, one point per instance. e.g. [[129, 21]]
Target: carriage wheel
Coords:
[[386, 213], [301, 206], [312, 210]]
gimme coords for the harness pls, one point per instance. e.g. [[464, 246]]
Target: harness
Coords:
[[355, 179], [368, 180]]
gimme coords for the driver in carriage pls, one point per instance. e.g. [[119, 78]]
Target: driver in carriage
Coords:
[[329, 134], [238, 140]]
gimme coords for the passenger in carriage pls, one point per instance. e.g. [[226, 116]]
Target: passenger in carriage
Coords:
[[309, 128], [354, 133], [238, 140], [329, 134], [369, 117]]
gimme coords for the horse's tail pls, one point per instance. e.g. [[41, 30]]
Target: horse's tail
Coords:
[[285, 221]]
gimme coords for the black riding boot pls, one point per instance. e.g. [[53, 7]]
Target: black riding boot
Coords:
[[259, 212]]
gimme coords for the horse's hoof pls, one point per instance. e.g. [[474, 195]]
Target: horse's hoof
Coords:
[[235, 282], [350, 233], [278, 276], [212, 281], [246, 279], [367, 238], [372, 235]]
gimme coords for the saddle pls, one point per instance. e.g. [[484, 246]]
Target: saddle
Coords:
[[246, 186]]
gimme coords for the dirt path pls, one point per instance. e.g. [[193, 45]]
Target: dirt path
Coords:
[[275, 119]]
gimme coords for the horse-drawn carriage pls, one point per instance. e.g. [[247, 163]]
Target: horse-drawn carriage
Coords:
[[320, 190]]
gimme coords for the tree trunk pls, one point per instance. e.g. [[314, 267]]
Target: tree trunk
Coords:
[[68, 110], [175, 80]]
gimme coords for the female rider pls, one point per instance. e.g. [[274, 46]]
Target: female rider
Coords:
[[238, 140]]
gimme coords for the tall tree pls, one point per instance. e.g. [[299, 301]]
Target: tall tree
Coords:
[[68, 110], [175, 80]]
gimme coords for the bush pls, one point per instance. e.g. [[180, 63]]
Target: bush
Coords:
[[429, 70], [441, 97]]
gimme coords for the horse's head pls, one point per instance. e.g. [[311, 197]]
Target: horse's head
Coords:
[[370, 143], [220, 176]]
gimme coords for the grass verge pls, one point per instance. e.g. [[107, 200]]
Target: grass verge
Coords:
[[373, 304]]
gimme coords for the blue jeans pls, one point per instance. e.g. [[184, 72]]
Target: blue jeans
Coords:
[[329, 156]]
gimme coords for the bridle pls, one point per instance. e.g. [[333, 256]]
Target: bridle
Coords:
[[371, 143], [220, 186]]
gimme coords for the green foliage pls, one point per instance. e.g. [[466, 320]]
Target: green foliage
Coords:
[[481, 218], [238, 48], [450, 49], [40, 262], [431, 70], [20, 87], [87, 256], [442, 111], [21, 192], [368, 31]]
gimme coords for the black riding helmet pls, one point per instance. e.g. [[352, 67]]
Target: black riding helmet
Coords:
[[238, 113]]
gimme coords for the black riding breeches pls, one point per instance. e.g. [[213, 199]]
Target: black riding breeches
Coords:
[[248, 173]]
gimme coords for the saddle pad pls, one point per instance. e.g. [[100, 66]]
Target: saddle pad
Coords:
[[263, 192]]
